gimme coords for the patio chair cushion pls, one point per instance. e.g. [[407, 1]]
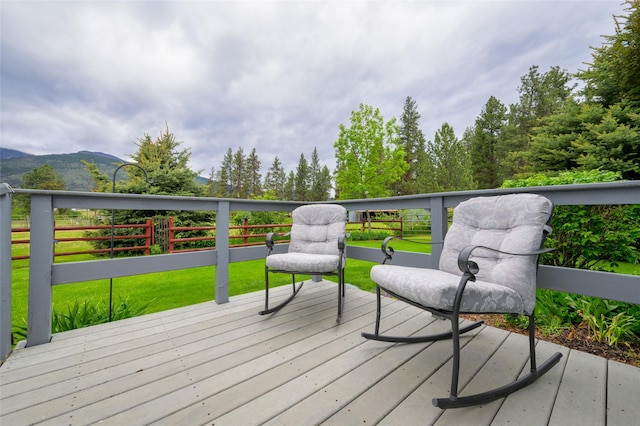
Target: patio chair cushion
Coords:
[[437, 289], [506, 283], [316, 229], [304, 262], [511, 223]]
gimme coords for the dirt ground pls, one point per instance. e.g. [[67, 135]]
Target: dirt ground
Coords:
[[575, 338]]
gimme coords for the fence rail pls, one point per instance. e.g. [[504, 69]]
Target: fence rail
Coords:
[[147, 236], [150, 239]]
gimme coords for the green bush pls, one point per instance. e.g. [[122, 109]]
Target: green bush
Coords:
[[82, 314], [608, 321], [587, 237], [368, 235], [85, 313]]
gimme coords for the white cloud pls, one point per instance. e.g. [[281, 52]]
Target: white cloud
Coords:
[[278, 76]]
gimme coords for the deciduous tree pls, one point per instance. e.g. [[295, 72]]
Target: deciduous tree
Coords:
[[369, 156]]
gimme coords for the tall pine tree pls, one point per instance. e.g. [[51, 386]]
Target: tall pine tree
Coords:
[[411, 138], [484, 144]]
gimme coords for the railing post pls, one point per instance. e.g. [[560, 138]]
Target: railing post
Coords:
[[5, 271], [41, 253], [439, 225], [245, 231], [222, 251]]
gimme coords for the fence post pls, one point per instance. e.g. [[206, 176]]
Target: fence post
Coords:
[[148, 237], [41, 253], [222, 252], [171, 236], [245, 231], [5, 271]]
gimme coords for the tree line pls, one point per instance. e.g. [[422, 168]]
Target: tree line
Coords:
[[239, 176]]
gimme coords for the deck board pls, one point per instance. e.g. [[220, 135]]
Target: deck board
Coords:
[[225, 364]]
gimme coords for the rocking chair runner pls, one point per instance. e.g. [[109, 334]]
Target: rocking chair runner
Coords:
[[317, 247], [488, 265]]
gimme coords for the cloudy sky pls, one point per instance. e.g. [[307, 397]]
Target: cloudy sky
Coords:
[[278, 76]]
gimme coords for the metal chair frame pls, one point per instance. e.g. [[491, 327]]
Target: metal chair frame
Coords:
[[339, 272], [469, 269]]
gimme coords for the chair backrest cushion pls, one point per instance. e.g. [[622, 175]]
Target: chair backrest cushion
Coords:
[[316, 228], [515, 223]]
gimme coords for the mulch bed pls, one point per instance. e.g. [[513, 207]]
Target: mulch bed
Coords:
[[575, 338]]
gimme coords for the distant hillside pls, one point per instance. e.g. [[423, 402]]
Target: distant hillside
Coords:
[[13, 164], [6, 153]]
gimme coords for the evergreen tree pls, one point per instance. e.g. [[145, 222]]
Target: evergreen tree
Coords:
[[166, 172], [101, 181], [603, 131], [452, 163], [614, 74], [302, 179], [589, 136], [225, 184], [322, 190], [239, 176], [411, 138], [484, 144], [314, 176], [275, 179], [290, 187], [540, 95], [254, 189], [166, 166], [425, 171], [43, 177], [212, 187], [320, 185]]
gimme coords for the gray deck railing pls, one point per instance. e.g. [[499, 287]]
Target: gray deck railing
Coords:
[[44, 273]]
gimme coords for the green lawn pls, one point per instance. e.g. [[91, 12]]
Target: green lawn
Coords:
[[162, 291], [174, 289]]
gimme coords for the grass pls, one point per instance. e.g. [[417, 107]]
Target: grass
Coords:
[[168, 290], [163, 290]]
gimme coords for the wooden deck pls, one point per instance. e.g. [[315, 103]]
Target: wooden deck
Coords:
[[226, 365]]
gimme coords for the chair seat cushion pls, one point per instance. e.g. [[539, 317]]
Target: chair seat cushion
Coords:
[[304, 262], [437, 289]]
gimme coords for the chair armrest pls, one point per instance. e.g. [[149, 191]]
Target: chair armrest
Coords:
[[389, 252], [271, 235], [342, 241], [471, 267]]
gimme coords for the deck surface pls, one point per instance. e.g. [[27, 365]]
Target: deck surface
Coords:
[[226, 365]]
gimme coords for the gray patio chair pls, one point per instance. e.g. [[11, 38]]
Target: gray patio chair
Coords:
[[488, 265], [317, 247]]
